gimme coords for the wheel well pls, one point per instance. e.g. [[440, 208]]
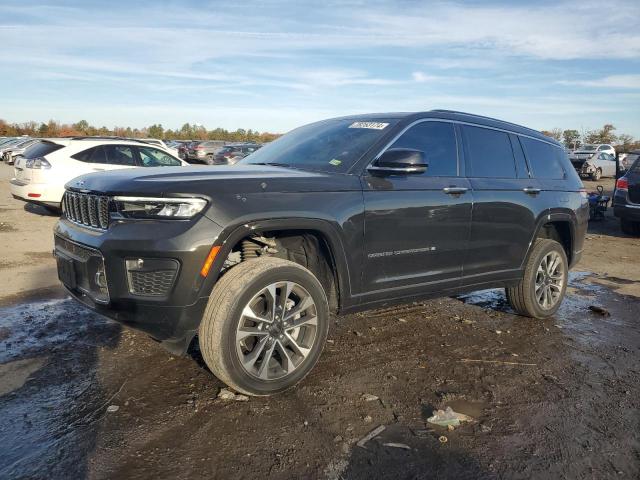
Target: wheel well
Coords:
[[560, 231], [307, 248]]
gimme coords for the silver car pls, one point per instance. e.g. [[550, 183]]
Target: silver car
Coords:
[[9, 155], [596, 166]]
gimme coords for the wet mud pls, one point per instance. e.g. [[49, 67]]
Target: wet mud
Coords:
[[550, 399]]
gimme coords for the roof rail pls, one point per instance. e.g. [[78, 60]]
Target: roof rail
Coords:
[[107, 137], [441, 110]]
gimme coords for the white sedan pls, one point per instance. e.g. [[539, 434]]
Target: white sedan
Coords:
[[40, 176]]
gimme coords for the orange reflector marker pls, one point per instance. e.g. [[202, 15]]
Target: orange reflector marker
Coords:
[[209, 261]]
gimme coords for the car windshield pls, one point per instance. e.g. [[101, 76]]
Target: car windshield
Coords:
[[327, 146], [588, 148]]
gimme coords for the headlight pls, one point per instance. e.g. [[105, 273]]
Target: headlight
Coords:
[[145, 207]]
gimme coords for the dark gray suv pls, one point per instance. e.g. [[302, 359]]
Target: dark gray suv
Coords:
[[337, 216]]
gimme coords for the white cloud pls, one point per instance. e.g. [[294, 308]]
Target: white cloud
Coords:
[[612, 81]]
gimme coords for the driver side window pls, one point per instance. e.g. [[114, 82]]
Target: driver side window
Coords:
[[437, 140]]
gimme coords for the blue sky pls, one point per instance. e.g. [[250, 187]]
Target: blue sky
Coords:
[[273, 65]]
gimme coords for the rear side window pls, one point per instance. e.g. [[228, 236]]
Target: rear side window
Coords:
[[91, 155], [120, 155], [490, 153], [437, 140], [152, 157], [41, 149], [545, 160]]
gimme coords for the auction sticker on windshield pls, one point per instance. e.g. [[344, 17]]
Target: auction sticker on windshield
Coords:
[[371, 125]]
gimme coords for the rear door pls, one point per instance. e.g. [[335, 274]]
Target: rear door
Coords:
[[416, 226], [504, 209], [119, 156], [154, 157]]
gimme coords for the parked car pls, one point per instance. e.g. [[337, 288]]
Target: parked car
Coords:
[[231, 154], [340, 215], [598, 165], [627, 159], [16, 150], [626, 200], [41, 174], [204, 151], [10, 144], [586, 151]]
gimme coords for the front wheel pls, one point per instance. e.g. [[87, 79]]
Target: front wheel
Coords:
[[265, 326], [543, 285], [595, 176]]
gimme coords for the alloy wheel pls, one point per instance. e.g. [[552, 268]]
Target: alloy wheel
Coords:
[[277, 330], [550, 279]]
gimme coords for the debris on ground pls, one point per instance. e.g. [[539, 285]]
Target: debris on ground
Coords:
[[397, 445], [599, 310], [228, 395], [113, 408], [367, 419], [443, 439], [448, 417], [372, 434], [367, 397]]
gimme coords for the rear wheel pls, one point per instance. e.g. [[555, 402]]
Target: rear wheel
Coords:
[[595, 176], [629, 227], [209, 159], [543, 285], [265, 326]]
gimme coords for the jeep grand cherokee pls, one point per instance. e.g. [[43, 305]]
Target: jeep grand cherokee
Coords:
[[337, 216]]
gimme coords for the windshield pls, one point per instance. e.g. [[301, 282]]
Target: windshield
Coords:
[[587, 148], [327, 146]]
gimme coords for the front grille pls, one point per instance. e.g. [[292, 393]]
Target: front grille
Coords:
[[86, 209], [154, 284]]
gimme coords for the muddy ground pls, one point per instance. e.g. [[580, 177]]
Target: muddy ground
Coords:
[[549, 399]]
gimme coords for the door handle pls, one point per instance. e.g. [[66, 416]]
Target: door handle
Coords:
[[531, 190], [455, 190]]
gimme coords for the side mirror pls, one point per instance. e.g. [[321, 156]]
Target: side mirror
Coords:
[[400, 161]]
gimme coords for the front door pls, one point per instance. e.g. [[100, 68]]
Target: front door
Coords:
[[417, 225]]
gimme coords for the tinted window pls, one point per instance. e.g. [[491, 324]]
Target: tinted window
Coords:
[[328, 146], [545, 159], [91, 155], [41, 149], [490, 153], [119, 155], [437, 140], [152, 157]]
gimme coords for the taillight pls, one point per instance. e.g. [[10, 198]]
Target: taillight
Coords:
[[38, 163], [622, 184]]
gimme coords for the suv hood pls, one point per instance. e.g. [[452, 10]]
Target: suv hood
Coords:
[[211, 180]]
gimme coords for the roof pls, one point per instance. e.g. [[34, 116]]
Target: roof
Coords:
[[460, 117]]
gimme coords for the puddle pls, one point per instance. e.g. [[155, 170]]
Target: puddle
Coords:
[[50, 396]]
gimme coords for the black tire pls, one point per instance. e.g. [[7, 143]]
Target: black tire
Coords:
[[224, 314], [595, 176], [629, 227], [522, 297], [209, 159]]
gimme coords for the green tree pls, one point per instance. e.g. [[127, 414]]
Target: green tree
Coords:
[[571, 138], [604, 135]]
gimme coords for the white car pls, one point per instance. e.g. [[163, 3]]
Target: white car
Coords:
[[40, 176], [162, 144], [594, 161]]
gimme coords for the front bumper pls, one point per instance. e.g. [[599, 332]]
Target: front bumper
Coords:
[[171, 317]]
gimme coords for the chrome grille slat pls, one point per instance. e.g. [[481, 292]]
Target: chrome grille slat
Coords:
[[86, 209]]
